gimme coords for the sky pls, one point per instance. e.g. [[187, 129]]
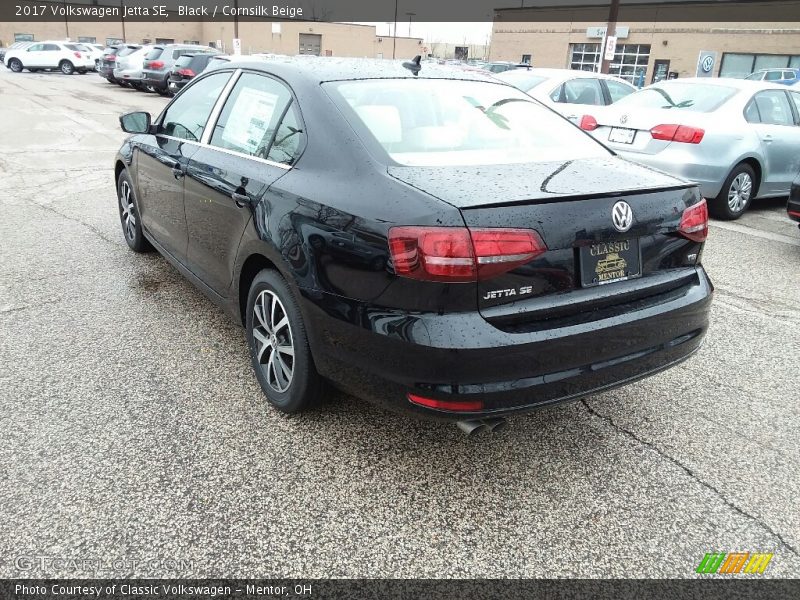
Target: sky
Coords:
[[453, 33]]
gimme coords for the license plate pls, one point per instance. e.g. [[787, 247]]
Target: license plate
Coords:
[[607, 262], [621, 135]]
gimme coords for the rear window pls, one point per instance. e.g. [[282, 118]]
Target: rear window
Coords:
[[126, 51], [154, 54], [429, 122], [683, 96], [183, 61]]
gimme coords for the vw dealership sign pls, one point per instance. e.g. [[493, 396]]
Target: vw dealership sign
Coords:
[[706, 63]]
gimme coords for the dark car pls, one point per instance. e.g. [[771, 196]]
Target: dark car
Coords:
[[186, 68], [793, 206], [502, 67], [159, 62], [523, 265], [109, 60]]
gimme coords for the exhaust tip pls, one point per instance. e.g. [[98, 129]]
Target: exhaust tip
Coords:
[[471, 427], [495, 425]]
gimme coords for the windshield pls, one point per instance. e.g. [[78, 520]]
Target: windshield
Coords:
[[429, 122], [695, 97]]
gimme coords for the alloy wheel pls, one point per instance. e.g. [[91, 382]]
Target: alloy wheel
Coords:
[[128, 210], [739, 192], [272, 334]]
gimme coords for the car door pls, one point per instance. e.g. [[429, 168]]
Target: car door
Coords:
[[162, 159], [32, 57], [255, 140], [779, 136]]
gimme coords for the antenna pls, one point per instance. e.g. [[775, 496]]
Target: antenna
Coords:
[[414, 65]]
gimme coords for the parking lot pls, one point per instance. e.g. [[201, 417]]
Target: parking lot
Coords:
[[133, 427]]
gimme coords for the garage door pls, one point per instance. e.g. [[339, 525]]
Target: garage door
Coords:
[[310, 43]]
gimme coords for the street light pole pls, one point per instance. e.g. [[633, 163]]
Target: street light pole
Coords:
[[394, 37], [66, 18], [611, 30], [410, 14]]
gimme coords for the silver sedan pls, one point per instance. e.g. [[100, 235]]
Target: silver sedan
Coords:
[[740, 140]]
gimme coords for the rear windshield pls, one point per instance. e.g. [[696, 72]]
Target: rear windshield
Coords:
[[695, 97], [431, 122], [521, 79], [126, 51], [154, 54], [184, 61]]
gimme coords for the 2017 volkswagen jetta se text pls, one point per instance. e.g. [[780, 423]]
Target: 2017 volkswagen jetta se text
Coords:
[[431, 240]]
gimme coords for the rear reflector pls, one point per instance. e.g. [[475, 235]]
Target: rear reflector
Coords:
[[694, 222], [678, 133], [458, 254], [451, 405], [588, 123]]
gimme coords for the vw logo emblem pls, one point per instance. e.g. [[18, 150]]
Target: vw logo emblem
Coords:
[[622, 216], [623, 119], [707, 64]]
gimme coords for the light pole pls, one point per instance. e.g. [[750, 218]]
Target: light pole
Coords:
[[409, 15], [394, 37], [611, 30]]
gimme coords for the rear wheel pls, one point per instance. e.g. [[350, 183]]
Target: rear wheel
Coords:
[[15, 65], [163, 92], [66, 67], [129, 215], [736, 194], [33, 70], [278, 345], [82, 72]]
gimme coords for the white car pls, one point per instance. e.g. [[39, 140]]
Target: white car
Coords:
[[568, 91], [95, 51], [128, 67], [64, 56]]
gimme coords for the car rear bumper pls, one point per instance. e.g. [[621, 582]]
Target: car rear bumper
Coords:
[[157, 80], [382, 355], [131, 75], [175, 86], [679, 162], [793, 209]]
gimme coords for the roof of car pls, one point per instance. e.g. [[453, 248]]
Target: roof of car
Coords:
[[557, 74], [321, 69]]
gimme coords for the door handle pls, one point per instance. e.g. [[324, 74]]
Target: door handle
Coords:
[[241, 200], [177, 172], [767, 138]]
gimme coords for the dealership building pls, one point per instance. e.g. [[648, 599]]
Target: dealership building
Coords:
[[654, 40]]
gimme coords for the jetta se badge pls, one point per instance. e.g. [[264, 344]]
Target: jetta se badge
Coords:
[[622, 216]]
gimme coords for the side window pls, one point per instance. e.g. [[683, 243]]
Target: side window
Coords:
[[186, 117], [288, 139], [773, 106], [51, 48], [795, 96], [618, 90], [773, 75], [751, 112], [36, 48], [583, 91], [249, 121], [556, 94]]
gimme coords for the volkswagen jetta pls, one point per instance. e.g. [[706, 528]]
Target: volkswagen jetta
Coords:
[[428, 239]]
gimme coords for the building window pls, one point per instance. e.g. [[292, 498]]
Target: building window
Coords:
[[165, 40], [584, 57], [630, 61], [192, 42], [740, 65], [82, 39], [526, 58], [112, 41], [23, 37]]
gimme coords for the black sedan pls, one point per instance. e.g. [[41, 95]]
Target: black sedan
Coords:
[[793, 206], [186, 68], [501, 260]]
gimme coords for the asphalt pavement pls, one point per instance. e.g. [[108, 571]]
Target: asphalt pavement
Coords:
[[136, 442]]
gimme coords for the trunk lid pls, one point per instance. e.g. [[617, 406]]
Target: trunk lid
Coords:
[[642, 121]]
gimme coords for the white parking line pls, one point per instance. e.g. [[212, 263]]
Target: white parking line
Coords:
[[767, 235]]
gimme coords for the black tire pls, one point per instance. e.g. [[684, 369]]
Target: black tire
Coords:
[[97, 65], [82, 72], [131, 229], [66, 67], [731, 204], [15, 65], [305, 387], [162, 92], [33, 70]]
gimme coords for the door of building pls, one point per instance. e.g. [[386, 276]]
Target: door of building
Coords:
[[310, 43], [660, 70]]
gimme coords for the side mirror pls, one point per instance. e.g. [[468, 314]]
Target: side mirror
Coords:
[[135, 122]]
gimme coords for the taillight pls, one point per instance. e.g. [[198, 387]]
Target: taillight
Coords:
[[694, 222], [678, 133], [156, 64], [186, 72], [588, 123], [110, 58], [77, 54], [453, 405], [458, 254]]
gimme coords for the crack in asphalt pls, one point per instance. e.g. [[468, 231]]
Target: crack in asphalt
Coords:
[[692, 475]]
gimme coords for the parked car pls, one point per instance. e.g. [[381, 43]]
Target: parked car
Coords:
[[110, 57], [568, 91], [737, 139], [793, 206], [784, 76], [492, 299], [95, 52], [128, 67], [64, 56], [13, 46], [186, 68], [502, 66], [159, 62]]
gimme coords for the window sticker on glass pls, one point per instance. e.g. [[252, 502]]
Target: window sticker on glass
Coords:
[[249, 120]]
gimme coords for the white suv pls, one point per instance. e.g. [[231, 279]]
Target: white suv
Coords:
[[64, 56]]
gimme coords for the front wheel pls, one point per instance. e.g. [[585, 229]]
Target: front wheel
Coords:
[[15, 65], [129, 215], [66, 67], [736, 194], [278, 345]]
